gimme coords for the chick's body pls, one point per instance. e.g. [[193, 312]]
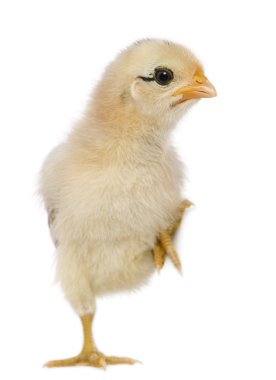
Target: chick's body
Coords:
[[112, 189], [108, 213]]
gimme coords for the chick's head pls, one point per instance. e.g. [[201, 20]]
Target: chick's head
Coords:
[[156, 79]]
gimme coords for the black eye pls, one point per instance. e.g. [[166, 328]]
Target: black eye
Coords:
[[163, 76]]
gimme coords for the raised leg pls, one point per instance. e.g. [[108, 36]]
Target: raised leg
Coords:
[[159, 255], [164, 243], [89, 356], [182, 208]]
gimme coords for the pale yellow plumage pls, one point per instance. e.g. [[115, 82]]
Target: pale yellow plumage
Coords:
[[113, 187]]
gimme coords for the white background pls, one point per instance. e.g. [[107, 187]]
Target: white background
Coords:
[[218, 320]]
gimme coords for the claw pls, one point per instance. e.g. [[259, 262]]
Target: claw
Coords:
[[186, 204], [103, 363]]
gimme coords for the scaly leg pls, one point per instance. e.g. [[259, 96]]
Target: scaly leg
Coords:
[[164, 241], [182, 208], [89, 356], [159, 255]]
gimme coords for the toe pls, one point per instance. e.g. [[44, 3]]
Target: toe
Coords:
[[118, 360], [186, 203], [61, 363]]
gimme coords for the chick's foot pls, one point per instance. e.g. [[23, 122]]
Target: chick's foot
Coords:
[[164, 243], [89, 355], [93, 359]]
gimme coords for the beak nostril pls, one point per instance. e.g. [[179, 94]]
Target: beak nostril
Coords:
[[198, 79]]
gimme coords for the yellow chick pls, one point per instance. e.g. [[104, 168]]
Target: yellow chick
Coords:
[[112, 189]]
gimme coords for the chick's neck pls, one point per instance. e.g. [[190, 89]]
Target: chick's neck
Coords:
[[118, 131]]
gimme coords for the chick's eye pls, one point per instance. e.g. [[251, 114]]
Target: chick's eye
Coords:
[[163, 76]]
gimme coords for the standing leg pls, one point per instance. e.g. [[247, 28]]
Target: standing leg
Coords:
[[89, 356]]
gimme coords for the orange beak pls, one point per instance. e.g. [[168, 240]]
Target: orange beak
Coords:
[[199, 88]]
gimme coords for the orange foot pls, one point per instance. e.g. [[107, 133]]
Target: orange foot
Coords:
[[93, 359]]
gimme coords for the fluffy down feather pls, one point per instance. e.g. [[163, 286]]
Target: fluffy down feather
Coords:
[[115, 182]]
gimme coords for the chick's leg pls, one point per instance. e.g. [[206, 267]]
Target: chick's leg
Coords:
[[159, 255], [183, 206], [164, 241], [89, 356]]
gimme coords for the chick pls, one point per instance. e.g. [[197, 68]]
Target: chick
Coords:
[[113, 188]]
